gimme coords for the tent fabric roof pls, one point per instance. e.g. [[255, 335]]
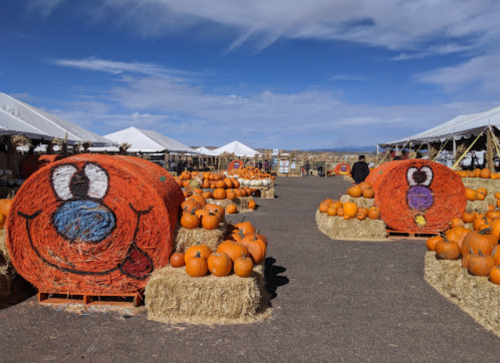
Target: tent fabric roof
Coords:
[[463, 126], [19, 118], [203, 150], [237, 148], [148, 141]]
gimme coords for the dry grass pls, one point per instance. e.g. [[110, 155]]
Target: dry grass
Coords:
[[174, 297], [360, 202], [348, 178], [241, 203], [475, 295], [338, 228], [267, 194], [477, 206], [185, 238]]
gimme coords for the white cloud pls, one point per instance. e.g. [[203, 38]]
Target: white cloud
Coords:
[[477, 75], [112, 67], [393, 24]]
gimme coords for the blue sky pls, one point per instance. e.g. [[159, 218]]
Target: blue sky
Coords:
[[270, 73]]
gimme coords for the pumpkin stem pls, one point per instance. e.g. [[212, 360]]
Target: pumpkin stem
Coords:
[[193, 210], [198, 254], [480, 253], [485, 231]]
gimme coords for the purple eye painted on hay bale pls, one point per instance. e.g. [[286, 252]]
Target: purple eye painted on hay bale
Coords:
[[419, 198]]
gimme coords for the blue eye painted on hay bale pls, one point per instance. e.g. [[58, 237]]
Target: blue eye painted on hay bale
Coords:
[[84, 221]]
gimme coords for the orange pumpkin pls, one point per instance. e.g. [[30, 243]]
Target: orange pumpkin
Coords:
[[243, 266], [256, 247], [190, 220], [203, 250], [210, 221], [197, 266], [231, 209], [233, 249], [350, 209], [355, 191], [431, 242], [220, 193], [177, 259], [476, 241], [447, 250], [480, 265], [495, 275], [252, 205], [457, 235], [219, 264]]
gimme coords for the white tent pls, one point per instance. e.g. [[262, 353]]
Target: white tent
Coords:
[[236, 148], [19, 118], [148, 141], [463, 126], [203, 150]]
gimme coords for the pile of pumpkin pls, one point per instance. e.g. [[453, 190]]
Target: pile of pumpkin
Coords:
[[478, 173], [243, 248], [363, 189], [253, 177], [480, 194], [197, 211], [478, 248], [347, 210]]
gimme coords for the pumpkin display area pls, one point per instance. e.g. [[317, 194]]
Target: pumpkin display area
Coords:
[[491, 185], [476, 295], [172, 296]]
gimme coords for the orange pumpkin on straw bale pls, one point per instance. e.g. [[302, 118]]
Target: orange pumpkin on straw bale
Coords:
[[93, 224], [420, 196]]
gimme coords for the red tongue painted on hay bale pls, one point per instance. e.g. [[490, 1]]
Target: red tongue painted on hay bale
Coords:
[[137, 265]]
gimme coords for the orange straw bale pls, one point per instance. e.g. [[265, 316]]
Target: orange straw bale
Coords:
[[342, 169], [235, 164], [420, 196], [377, 175], [92, 224]]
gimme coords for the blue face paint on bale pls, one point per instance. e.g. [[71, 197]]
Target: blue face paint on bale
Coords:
[[84, 221]]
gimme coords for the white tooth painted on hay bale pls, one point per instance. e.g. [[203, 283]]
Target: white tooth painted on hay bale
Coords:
[[360, 202], [185, 238], [337, 228], [241, 203], [172, 296], [475, 295]]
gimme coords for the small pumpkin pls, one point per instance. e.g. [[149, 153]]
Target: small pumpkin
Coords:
[[479, 240], [465, 259], [456, 222], [495, 275], [189, 205], [219, 193], [231, 195], [210, 221], [355, 191], [468, 217], [256, 248], [447, 250], [231, 209], [331, 211], [485, 173], [233, 249], [190, 220], [480, 265], [368, 193], [177, 259], [243, 266], [197, 266], [204, 251], [360, 216], [219, 264], [374, 213], [350, 209], [431, 242], [252, 205], [457, 235], [471, 194], [245, 227]]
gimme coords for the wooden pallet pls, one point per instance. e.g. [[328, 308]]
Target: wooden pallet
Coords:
[[395, 235], [50, 297]]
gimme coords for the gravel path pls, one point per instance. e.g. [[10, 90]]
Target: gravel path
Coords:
[[333, 302]]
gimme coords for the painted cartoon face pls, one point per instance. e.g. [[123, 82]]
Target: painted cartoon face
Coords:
[[84, 241], [419, 197]]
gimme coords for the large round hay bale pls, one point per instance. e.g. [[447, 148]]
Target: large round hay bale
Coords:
[[235, 164], [92, 224], [377, 175], [420, 196], [342, 169]]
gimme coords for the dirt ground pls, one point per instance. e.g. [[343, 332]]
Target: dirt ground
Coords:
[[332, 302]]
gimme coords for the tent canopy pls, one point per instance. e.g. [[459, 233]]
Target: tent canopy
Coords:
[[236, 148], [203, 150], [148, 141], [19, 118], [463, 126]]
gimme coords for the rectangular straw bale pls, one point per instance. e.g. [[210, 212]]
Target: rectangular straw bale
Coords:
[[475, 295], [185, 238], [360, 202], [241, 203], [174, 297], [491, 185], [338, 228], [267, 194]]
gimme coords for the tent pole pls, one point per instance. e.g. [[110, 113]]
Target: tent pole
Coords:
[[489, 151], [454, 148]]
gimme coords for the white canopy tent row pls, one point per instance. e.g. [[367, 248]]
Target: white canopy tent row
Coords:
[[471, 126], [237, 148], [204, 151], [20, 118]]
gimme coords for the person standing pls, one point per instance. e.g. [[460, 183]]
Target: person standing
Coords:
[[266, 166], [307, 167], [360, 170]]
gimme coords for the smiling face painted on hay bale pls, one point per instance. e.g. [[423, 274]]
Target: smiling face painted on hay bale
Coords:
[[94, 228], [419, 196]]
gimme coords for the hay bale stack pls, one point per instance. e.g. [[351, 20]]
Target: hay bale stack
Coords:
[[174, 297], [241, 203], [475, 295], [267, 193], [93, 224], [420, 196], [185, 238], [360, 202], [491, 185], [338, 228]]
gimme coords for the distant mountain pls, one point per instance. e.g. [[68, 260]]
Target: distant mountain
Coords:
[[351, 149]]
